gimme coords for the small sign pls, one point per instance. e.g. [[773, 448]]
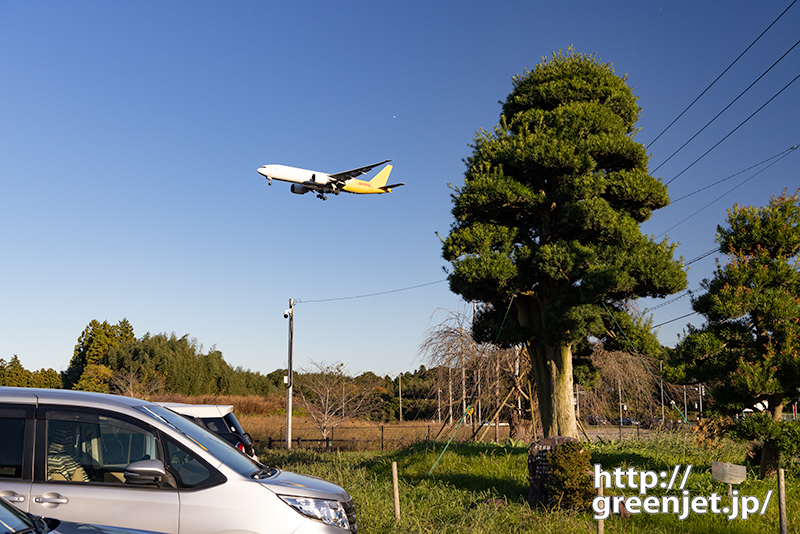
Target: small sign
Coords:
[[728, 473]]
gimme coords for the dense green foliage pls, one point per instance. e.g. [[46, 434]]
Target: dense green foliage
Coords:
[[87, 370], [570, 483], [548, 217], [183, 367], [14, 374], [109, 358], [418, 394], [748, 351]]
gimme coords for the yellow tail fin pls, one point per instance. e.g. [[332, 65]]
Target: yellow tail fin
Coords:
[[381, 178]]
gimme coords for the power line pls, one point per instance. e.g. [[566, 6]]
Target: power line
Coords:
[[726, 107], [670, 301], [721, 75], [733, 175], [704, 255], [734, 130], [673, 320], [785, 153], [373, 294]]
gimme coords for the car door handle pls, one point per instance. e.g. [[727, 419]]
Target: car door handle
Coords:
[[51, 500], [14, 497]]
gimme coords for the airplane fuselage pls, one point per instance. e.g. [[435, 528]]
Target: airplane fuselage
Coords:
[[305, 180], [294, 175]]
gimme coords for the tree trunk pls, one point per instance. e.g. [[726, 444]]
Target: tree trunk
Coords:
[[551, 368], [519, 429], [552, 371], [770, 454]]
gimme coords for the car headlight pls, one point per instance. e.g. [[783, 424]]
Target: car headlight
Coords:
[[329, 512]]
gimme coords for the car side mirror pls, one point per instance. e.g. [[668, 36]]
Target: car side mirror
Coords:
[[145, 472]]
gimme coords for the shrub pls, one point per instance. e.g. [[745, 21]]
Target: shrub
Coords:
[[569, 482]]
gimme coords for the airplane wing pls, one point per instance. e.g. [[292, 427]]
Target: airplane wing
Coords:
[[341, 177]]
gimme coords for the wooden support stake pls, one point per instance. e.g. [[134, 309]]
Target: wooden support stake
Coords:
[[782, 502], [396, 489], [600, 524]]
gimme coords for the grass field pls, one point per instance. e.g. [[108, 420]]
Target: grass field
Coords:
[[481, 488]]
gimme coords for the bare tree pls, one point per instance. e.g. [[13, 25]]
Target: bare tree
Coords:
[[331, 396], [131, 384], [483, 368], [449, 344], [626, 381]]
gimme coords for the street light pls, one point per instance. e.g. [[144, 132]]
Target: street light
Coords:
[[288, 380]]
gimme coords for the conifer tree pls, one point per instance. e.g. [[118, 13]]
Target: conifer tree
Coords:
[[748, 351], [547, 223]]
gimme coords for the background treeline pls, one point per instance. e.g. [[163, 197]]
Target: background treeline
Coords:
[[109, 358], [12, 373]]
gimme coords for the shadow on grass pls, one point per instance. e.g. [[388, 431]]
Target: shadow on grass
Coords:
[[612, 459], [477, 467]]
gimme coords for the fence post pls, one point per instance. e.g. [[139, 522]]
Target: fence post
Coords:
[[600, 523], [396, 490], [782, 525], [381, 437]]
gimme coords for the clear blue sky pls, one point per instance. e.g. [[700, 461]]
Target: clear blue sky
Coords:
[[130, 135]]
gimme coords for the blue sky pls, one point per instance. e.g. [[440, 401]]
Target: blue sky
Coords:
[[130, 135]]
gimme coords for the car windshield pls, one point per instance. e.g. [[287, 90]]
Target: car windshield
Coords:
[[208, 441], [13, 520]]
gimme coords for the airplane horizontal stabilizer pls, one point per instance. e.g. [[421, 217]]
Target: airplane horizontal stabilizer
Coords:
[[388, 188]]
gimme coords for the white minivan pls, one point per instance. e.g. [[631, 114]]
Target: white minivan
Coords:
[[119, 461]]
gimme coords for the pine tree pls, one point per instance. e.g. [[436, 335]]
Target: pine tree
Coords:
[[748, 351], [547, 223]]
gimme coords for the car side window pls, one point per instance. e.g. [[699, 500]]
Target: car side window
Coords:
[[187, 467], [93, 447], [12, 430]]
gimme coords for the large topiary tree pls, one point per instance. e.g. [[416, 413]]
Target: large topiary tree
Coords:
[[547, 223]]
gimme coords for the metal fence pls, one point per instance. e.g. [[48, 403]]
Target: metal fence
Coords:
[[397, 436], [379, 438]]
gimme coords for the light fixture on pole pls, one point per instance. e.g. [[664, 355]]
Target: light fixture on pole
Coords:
[[288, 380]]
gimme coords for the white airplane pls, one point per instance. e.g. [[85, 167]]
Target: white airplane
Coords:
[[304, 180]]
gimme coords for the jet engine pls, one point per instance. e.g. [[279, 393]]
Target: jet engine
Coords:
[[299, 189]]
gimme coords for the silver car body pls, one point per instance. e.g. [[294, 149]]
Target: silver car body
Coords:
[[206, 486], [13, 520]]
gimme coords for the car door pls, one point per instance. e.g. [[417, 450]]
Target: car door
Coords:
[[16, 453], [81, 455]]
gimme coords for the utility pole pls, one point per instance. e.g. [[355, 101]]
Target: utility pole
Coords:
[[400, 393], [288, 380]]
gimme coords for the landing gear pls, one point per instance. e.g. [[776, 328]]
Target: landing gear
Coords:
[[321, 196]]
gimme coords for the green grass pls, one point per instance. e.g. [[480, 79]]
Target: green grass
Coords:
[[451, 500]]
